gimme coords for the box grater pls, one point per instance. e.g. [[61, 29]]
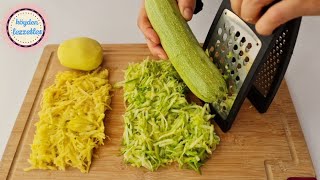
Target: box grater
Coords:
[[252, 65]]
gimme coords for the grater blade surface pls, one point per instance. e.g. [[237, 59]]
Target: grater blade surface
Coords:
[[233, 49]]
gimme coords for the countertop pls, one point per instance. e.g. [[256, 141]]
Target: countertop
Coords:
[[116, 22]]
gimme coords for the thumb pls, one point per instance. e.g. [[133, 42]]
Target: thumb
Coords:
[[281, 13], [187, 8]]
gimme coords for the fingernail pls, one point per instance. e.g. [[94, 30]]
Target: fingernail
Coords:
[[161, 56], [248, 20], [187, 13]]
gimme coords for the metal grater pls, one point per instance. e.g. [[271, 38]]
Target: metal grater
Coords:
[[252, 65]]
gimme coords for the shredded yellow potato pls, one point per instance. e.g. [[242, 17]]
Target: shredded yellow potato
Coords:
[[71, 121]]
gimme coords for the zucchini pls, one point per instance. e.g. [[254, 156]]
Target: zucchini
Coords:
[[184, 51]]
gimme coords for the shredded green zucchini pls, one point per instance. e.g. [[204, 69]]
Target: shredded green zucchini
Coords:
[[161, 127]]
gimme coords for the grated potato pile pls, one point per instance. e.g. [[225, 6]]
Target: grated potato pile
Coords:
[[71, 121]]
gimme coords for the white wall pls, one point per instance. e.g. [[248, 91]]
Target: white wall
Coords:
[[111, 21], [304, 84]]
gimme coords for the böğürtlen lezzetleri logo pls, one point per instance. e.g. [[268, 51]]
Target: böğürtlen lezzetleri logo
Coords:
[[26, 27]]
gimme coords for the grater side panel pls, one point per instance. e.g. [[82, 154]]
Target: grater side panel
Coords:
[[270, 68], [276, 60]]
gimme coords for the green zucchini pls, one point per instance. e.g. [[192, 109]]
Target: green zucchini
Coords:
[[184, 51]]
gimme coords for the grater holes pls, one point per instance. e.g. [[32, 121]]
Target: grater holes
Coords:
[[219, 31], [238, 78], [283, 34], [233, 60], [225, 36], [217, 44], [224, 108], [230, 43], [241, 53], [217, 55], [231, 30], [226, 26], [248, 47], [246, 60], [223, 49], [235, 47], [237, 35], [243, 40], [234, 55], [226, 66]]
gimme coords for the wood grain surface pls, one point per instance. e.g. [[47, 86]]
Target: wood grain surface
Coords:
[[259, 146]]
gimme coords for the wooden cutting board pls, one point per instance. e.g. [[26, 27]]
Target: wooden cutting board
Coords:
[[259, 146]]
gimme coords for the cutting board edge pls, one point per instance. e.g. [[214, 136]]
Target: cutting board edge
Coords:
[[13, 144]]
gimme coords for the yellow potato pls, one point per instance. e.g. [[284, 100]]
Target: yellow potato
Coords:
[[80, 53]]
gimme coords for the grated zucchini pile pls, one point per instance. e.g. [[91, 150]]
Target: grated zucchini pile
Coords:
[[71, 121], [161, 127]]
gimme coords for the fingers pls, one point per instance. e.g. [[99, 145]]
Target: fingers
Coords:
[[236, 6], [153, 40], [156, 50], [146, 27], [279, 14], [251, 9], [187, 8]]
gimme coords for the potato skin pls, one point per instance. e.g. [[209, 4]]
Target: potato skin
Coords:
[[80, 53]]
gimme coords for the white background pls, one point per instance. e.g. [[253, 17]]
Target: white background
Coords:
[[114, 21]]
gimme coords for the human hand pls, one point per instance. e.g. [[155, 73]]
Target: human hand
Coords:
[[153, 41], [276, 15]]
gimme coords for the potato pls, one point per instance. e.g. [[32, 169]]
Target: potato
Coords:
[[80, 53]]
